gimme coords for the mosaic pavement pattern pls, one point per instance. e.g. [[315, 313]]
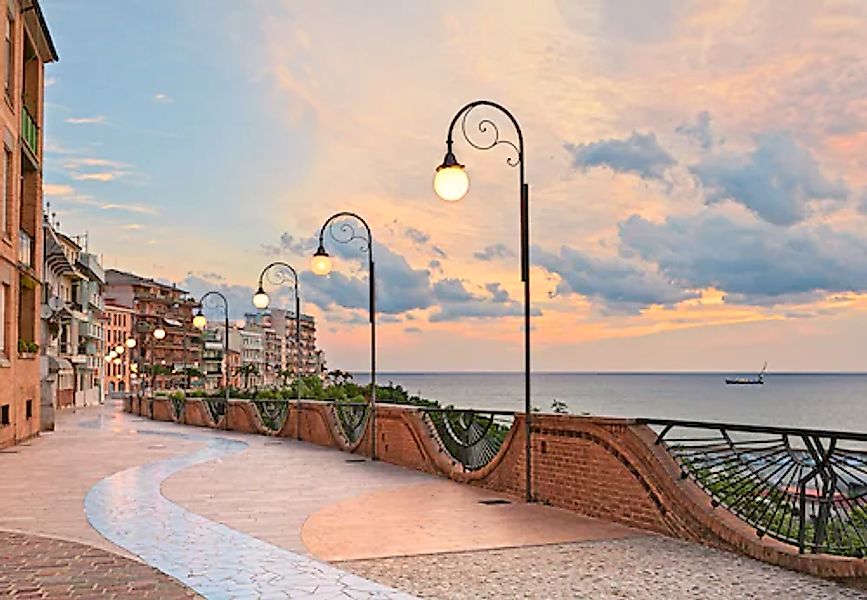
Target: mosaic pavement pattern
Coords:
[[212, 559]]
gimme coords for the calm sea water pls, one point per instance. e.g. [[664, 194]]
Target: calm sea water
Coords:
[[829, 401]]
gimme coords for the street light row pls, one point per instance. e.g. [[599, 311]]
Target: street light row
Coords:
[[451, 183]]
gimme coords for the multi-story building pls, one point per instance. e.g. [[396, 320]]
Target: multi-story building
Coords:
[[212, 357], [164, 362], [120, 372], [306, 360], [251, 345], [72, 338], [28, 47]]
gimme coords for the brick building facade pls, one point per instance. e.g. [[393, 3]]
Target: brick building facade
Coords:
[[27, 48]]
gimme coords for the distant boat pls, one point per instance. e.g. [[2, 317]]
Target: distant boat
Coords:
[[759, 380]]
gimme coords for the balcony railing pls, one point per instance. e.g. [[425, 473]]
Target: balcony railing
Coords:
[[803, 487], [25, 248], [29, 131]]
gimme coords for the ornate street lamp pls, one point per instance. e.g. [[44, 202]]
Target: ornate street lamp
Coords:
[[451, 184], [320, 264], [200, 322], [278, 273]]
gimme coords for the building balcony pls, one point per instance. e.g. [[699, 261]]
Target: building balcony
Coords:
[[29, 131]]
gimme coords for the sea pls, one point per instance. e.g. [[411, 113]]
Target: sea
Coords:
[[836, 401]]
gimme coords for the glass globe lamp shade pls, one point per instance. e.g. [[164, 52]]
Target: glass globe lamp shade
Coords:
[[261, 299], [112, 354], [320, 264], [119, 349], [108, 358], [116, 361], [451, 182], [199, 321], [159, 333], [130, 343]]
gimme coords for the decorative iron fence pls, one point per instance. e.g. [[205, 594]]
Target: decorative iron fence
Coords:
[[272, 413], [351, 418], [216, 407], [178, 405], [805, 487], [471, 437]]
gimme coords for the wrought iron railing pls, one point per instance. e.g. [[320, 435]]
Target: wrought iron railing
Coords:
[[272, 413], [29, 131], [216, 407], [471, 437], [805, 487], [351, 418]]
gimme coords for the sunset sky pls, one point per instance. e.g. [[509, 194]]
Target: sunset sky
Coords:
[[698, 170]]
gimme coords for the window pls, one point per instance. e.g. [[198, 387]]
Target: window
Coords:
[[4, 415], [6, 200], [10, 58], [28, 409], [4, 302]]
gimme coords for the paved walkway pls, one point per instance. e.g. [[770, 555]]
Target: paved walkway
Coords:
[[41, 567], [232, 515]]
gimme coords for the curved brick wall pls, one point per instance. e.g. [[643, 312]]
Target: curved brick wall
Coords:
[[605, 468]]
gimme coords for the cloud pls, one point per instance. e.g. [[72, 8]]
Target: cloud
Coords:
[[163, 98], [451, 290], [57, 189], [289, 244], [457, 303], [399, 287], [497, 251], [94, 169], [618, 284], [101, 176], [753, 262], [778, 181], [412, 330], [862, 203], [417, 236], [639, 154], [132, 226], [239, 296], [97, 120], [699, 132]]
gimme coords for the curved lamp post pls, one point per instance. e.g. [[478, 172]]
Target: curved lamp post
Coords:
[[277, 273], [451, 184], [157, 333], [320, 264], [200, 321]]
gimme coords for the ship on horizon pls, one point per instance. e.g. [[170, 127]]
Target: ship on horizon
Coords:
[[759, 380]]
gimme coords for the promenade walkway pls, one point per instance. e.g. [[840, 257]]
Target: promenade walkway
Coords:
[[112, 505]]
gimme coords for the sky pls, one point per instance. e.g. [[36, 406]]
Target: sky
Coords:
[[697, 171]]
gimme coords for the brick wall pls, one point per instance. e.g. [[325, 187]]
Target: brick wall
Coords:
[[599, 467]]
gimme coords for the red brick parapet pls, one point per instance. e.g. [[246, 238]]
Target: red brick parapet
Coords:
[[606, 468]]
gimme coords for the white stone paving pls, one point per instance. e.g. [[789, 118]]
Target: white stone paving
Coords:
[[214, 560]]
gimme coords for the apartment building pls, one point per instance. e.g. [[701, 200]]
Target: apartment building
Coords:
[[27, 48], [71, 328], [121, 372], [306, 360], [158, 306]]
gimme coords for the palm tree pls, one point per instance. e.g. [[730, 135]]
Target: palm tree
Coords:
[[247, 371], [286, 375]]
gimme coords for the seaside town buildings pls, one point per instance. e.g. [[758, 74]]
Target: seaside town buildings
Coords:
[[71, 327], [161, 363], [261, 348], [121, 371], [27, 48]]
